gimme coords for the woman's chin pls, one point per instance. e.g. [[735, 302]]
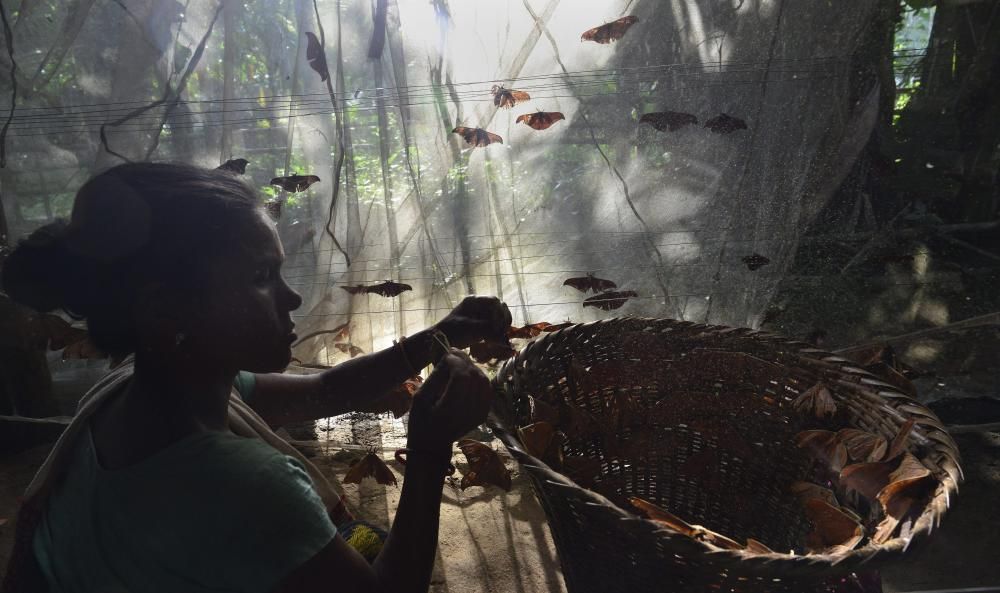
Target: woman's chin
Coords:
[[275, 363]]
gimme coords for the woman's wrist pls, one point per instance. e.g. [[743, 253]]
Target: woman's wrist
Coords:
[[423, 348]]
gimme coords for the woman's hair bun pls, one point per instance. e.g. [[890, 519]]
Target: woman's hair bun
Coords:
[[41, 269]]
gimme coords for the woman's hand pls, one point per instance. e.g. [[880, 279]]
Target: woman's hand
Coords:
[[451, 402], [476, 318]]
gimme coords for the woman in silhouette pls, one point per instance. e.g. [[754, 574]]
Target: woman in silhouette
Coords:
[[170, 477]]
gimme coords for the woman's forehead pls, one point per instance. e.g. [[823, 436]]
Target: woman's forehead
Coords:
[[257, 239]]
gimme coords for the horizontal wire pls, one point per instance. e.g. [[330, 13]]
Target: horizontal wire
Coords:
[[284, 104], [706, 294], [902, 53], [560, 272], [517, 246], [57, 123], [519, 258], [332, 110], [704, 66]]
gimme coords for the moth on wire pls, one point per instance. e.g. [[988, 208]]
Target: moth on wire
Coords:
[[234, 166], [590, 283], [725, 124], [386, 289], [668, 120], [505, 98], [295, 183], [370, 466], [317, 57], [540, 120], [755, 261], [609, 32], [477, 137]]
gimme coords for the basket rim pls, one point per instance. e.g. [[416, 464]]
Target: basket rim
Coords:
[[749, 562]]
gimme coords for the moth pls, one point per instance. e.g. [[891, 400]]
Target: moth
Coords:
[[609, 32], [867, 478], [477, 136], [341, 332], [506, 98], [347, 347], [862, 445], [755, 261], [386, 289], [540, 120], [590, 283], [541, 440], [316, 57], [609, 300], [823, 445], [370, 466], [817, 401], [674, 523], [904, 496], [806, 490], [528, 331], [892, 376], [485, 466], [668, 120], [397, 400], [897, 446], [834, 531], [725, 124], [295, 183], [234, 166], [484, 352], [356, 289]]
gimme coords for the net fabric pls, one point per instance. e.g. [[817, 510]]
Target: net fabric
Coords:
[[666, 214]]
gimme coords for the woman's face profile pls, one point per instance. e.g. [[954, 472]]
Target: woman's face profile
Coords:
[[244, 322]]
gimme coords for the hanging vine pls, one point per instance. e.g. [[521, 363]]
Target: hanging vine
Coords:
[[338, 165], [170, 98]]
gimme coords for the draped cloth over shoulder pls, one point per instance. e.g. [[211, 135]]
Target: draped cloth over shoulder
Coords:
[[23, 574]]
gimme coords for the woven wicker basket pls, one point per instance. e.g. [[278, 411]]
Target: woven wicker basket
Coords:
[[723, 455]]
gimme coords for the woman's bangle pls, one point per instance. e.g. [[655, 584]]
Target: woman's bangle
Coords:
[[399, 343], [436, 350]]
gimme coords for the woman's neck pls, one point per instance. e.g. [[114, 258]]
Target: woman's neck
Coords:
[[187, 395], [161, 405]]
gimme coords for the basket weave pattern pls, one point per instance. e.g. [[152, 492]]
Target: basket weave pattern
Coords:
[[698, 419]]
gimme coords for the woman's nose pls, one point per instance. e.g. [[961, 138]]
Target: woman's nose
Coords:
[[293, 298]]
